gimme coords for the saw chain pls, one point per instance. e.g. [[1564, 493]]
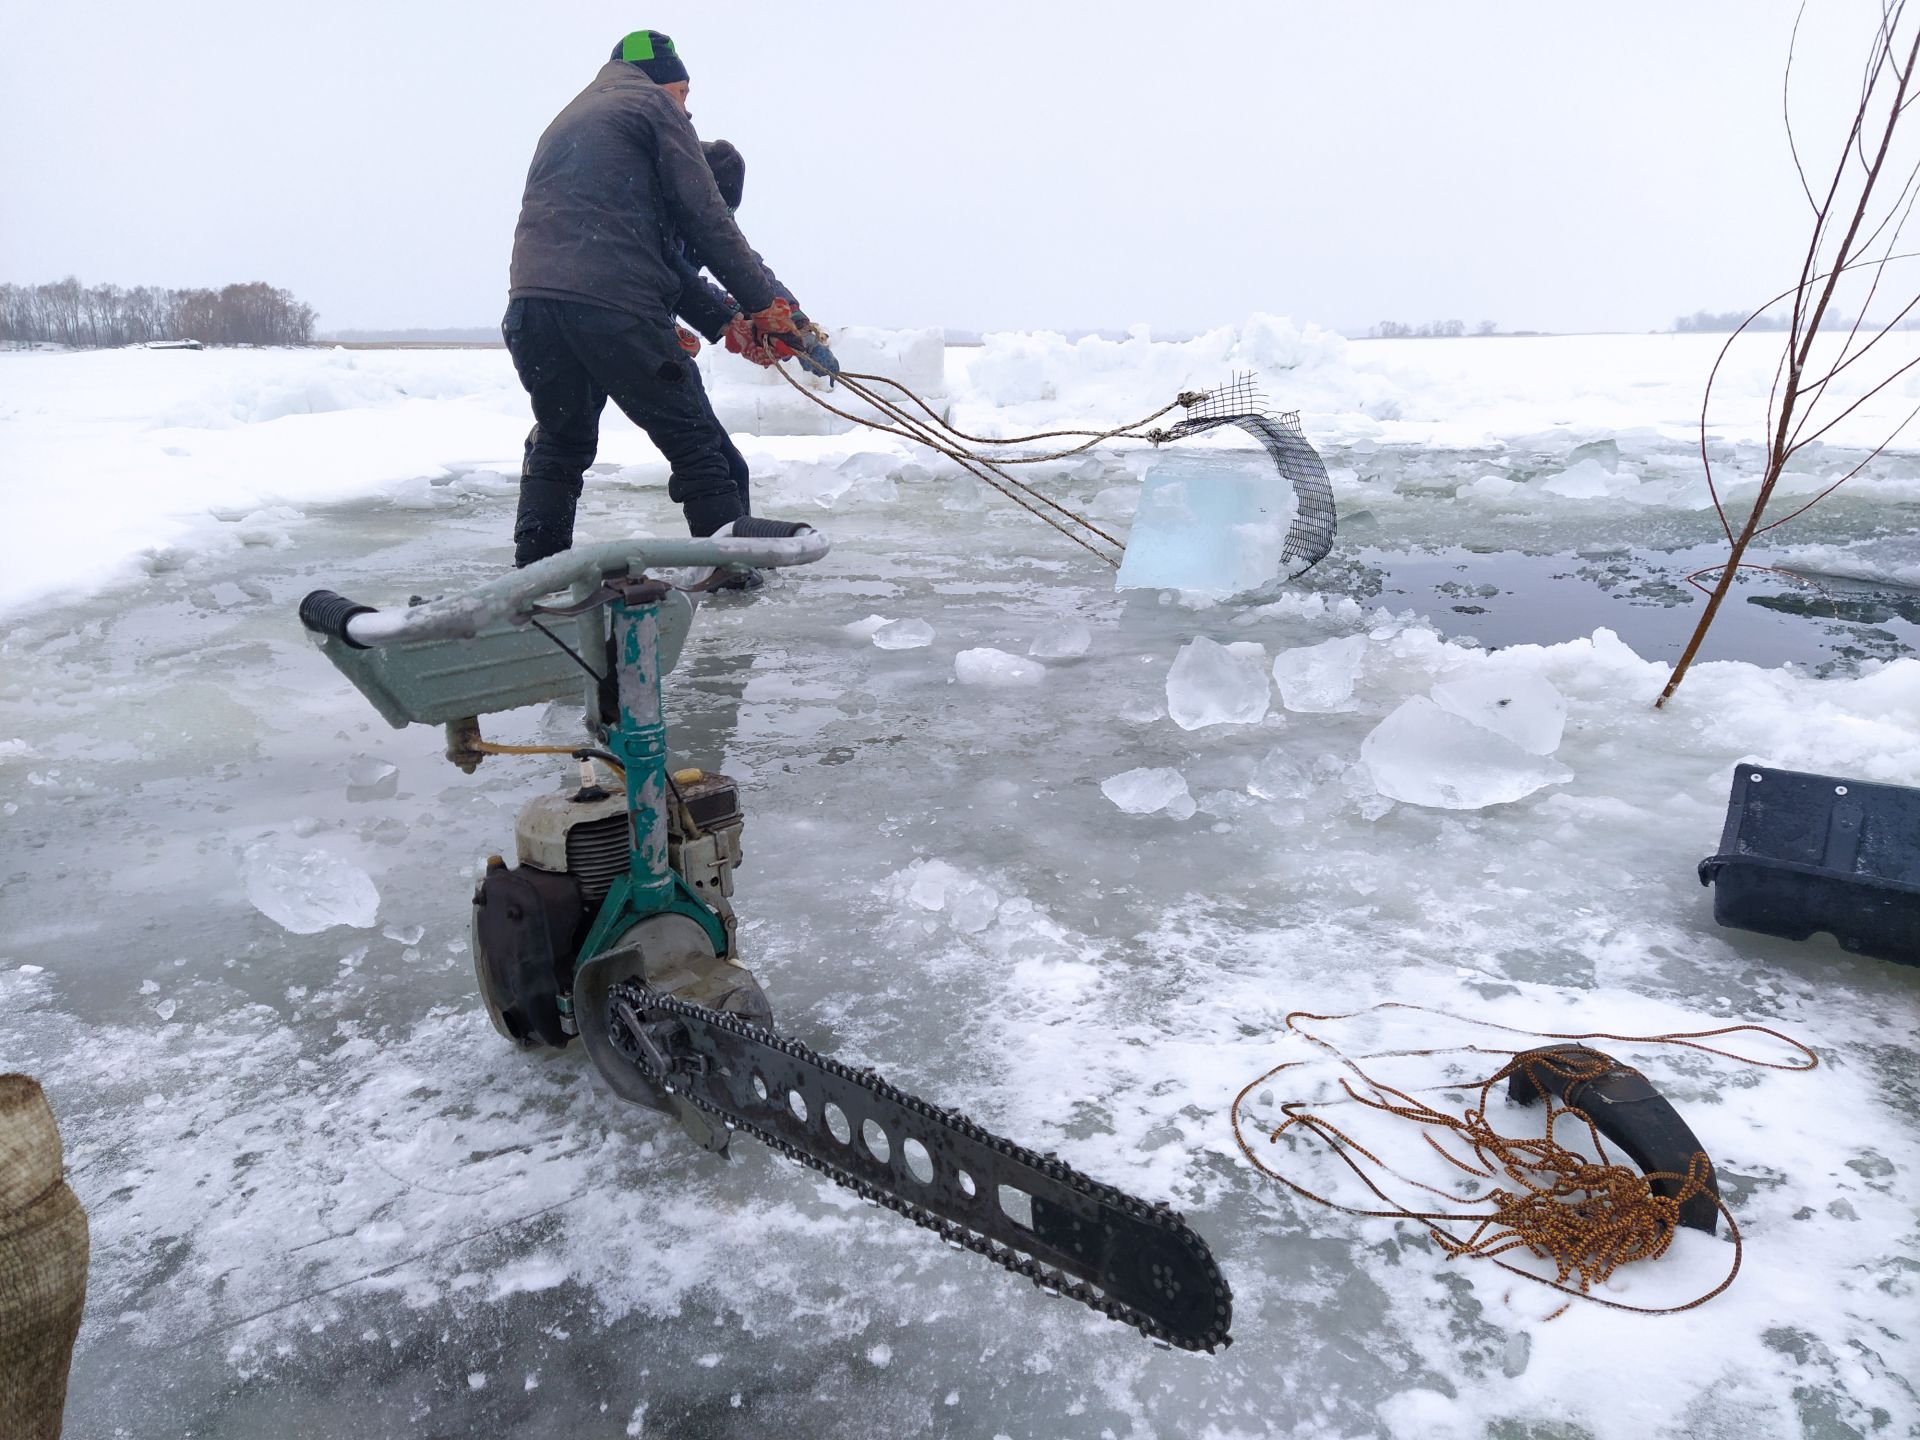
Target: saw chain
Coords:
[[1029, 1213]]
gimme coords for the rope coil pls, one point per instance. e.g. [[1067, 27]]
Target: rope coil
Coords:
[[1586, 1219]]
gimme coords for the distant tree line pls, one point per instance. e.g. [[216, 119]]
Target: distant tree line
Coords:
[[66, 312], [1725, 322], [1433, 329]]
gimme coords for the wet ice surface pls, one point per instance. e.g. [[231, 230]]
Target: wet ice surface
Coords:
[[327, 1199]]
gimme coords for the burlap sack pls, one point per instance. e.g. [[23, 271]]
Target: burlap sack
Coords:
[[43, 1265]]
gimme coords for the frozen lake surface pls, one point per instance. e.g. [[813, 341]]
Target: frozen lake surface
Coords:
[[326, 1199]]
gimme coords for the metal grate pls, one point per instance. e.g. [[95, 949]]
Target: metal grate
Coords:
[[597, 854], [1241, 402]]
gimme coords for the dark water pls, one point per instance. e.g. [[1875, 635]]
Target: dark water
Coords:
[[1510, 597]]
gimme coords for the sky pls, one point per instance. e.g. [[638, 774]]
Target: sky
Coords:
[[1051, 164]]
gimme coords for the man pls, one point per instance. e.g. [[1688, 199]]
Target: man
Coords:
[[617, 180], [711, 310], [713, 313]]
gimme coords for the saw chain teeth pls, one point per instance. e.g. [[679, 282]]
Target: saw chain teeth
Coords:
[[1050, 1280]]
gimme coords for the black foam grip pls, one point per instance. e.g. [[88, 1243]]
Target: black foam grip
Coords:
[[753, 527], [1626, 1109], [326, 613]]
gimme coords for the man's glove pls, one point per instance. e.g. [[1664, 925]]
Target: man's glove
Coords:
[[689, 341], [819, 360], [742, 341], [780, 332]]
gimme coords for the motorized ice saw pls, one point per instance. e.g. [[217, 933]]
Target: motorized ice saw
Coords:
[[617, 924]]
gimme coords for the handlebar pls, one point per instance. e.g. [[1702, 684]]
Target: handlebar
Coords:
[[748, 541]]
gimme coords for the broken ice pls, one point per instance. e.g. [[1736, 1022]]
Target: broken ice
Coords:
[[1280, 775], [1213, 522], [371, 778], [970, 904], [369, 770], [996, 668], [1215, 684], [307, 890], [1518, 704], [1143, 791], [903, 635], [1587, 480], [1425, 755], [1318, 679], [1061, 642]]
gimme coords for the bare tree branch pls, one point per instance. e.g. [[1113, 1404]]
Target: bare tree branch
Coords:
[[1794, 412]]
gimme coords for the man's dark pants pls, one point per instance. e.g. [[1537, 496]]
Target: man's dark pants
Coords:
[[572, 358]]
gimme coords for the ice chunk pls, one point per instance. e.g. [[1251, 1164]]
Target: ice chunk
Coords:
[[1279, 776], [1212, 522], [307, 890], [1428, 756], [987, 666], [806, 480], [409, 935], [1143, 791], [903, 635], [1215, 684], [1487, 487], [1604, 453], [1318, 679], [863, 629], [1585, 481], [366, 770], [1062, 641], [1518, 704], [971, 904]]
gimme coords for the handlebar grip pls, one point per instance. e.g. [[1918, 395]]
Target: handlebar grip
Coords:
[[326, 613], [753, 527], [1624, 1107]]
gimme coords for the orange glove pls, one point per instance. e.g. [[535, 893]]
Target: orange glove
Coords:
[[741, 340], [769, 336], [689, 341], [776, 319]]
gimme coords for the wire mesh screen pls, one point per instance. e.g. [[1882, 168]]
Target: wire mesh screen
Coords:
[[1240, 402]]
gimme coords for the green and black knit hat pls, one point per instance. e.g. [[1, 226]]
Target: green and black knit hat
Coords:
[[653, 52]]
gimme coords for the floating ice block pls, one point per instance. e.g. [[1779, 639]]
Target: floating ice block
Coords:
[[1213, 521]]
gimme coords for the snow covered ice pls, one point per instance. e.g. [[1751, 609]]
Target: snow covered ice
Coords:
[[1214, 684], [324, 1193]]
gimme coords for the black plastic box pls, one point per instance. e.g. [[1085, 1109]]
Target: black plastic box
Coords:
[[1802, 853]]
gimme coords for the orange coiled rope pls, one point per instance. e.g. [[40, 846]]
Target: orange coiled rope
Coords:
[[1586, 1219]]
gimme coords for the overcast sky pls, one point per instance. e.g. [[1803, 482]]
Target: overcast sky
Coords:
[[986, 165]]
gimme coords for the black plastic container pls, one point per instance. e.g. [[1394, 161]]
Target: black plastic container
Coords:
[[1803, 853]]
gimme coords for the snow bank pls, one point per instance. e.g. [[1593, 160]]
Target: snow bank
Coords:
[[118, 458]]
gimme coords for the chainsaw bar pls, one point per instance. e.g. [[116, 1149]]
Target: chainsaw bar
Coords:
[[1028, 1213]]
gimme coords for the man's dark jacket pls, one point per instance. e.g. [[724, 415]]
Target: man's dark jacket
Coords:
[[616, 178]]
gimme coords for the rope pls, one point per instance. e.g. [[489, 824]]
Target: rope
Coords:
[[1586, 1219], [938, 435], [488, 747]]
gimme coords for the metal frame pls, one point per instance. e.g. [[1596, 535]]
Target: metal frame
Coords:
[[637, 738]]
